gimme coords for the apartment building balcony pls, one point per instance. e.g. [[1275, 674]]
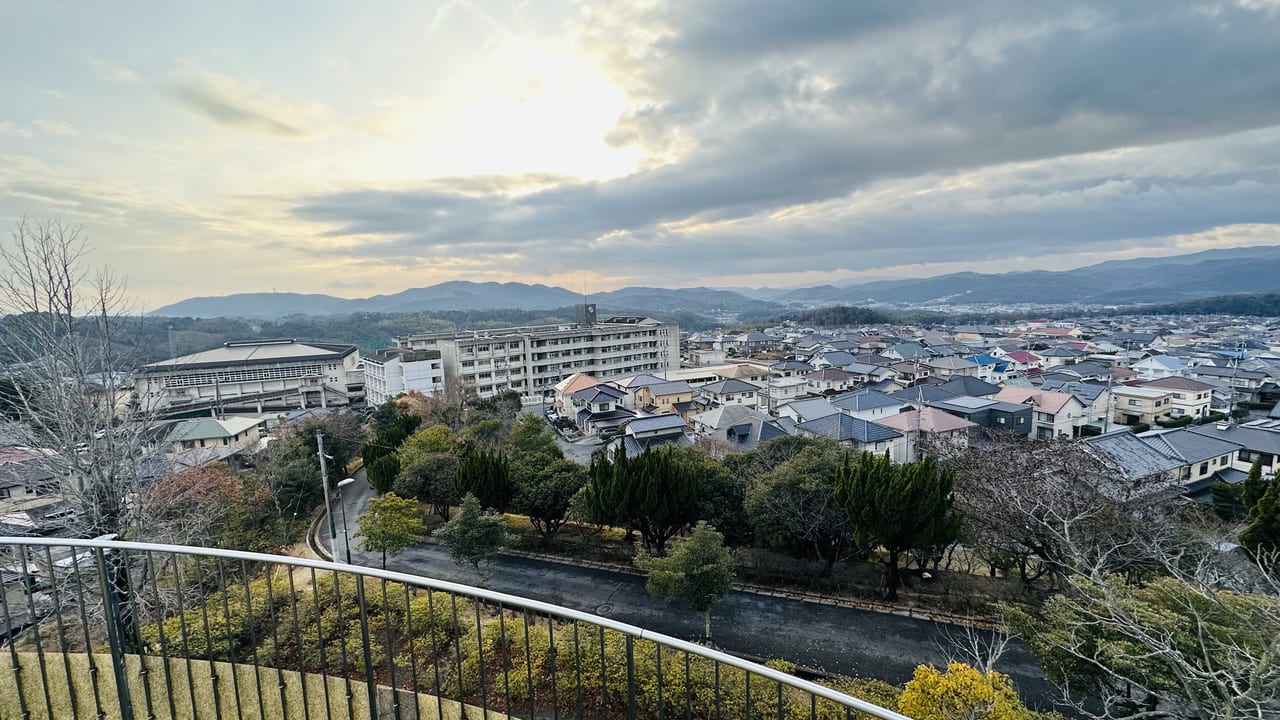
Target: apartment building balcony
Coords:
[[108, 629]]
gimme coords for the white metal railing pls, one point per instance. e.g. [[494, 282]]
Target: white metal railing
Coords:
[[124, 595]]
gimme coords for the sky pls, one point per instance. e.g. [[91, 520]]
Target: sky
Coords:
[[363, 148]]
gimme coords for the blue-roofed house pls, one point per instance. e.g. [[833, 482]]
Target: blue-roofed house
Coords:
[[858, 434], [992, 369]]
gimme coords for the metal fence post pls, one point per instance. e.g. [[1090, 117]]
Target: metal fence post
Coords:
[[111, 605]]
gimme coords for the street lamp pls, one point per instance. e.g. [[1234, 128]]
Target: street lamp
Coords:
[[346, 541]]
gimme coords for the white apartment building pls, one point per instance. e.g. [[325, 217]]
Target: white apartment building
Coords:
[[254, 376], [392, 371], [532, 359]]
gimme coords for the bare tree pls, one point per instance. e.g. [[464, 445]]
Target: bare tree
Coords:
[[1041, 502], [1198, 640], [68, 343]]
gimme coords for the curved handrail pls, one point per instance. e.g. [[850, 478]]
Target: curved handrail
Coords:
[[480, 594]]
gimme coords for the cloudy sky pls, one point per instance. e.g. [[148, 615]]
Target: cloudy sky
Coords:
[[362, 148]]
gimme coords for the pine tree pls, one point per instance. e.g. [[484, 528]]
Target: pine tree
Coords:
[[1262, 536], [1253, 487], [487, 475], [897, 507]]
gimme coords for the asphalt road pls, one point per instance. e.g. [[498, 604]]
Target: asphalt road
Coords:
[[842, 640]]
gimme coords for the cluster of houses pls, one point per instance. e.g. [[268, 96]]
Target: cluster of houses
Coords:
[[31, 493], [1161, 396], [1193, 398]]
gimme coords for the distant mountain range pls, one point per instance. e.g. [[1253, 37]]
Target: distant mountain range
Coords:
[[1116, 282]]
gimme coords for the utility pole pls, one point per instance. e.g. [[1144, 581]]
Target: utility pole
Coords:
[[324, 480]]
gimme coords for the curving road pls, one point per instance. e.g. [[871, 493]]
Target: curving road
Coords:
[[837, 639]]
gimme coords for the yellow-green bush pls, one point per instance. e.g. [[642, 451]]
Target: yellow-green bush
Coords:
[[959, 693]]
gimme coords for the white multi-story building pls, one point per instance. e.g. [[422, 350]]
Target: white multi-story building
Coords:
[[532, 359], [391, 371], [254, 375]]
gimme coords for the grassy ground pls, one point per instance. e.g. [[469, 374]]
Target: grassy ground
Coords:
[[195, 694]]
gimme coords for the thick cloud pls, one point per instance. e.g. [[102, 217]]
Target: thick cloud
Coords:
[[798, 136]]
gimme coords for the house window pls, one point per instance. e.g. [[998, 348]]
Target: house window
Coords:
[[1000, 420], [1135, 403], [4, 493], [1204, 468], [1222, 460]]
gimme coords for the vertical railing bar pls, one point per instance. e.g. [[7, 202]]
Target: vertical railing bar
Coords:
[[604, 675], [457, 645], [226, 624], [62, 631], [506, 669], [297, 629], [371, 688], [324, 661], [27, 590], [577, 667], [813, 707], [391, 651], [275, 638], [413, 651], [631, 678], [551, 651], [164, 641], [253, 634], [484, 690], [779, 701], [435, 652], [342, 645], [13, 645], [215, 680], [113, 636], [657, 668], [143, 671], [688, 687], [84, 626], [716, 694], [182, 625], [746, 712], [528, 664]]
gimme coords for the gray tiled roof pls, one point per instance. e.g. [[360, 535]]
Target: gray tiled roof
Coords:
[[1257, 438], [1137, 458], [1189, 446], [865, 400], [969, 385], [657, 422], [843, 427]]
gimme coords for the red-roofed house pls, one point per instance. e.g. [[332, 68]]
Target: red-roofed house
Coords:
[[1021, 361]]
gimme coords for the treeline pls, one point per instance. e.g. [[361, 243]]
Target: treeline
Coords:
[[1258, 305]]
